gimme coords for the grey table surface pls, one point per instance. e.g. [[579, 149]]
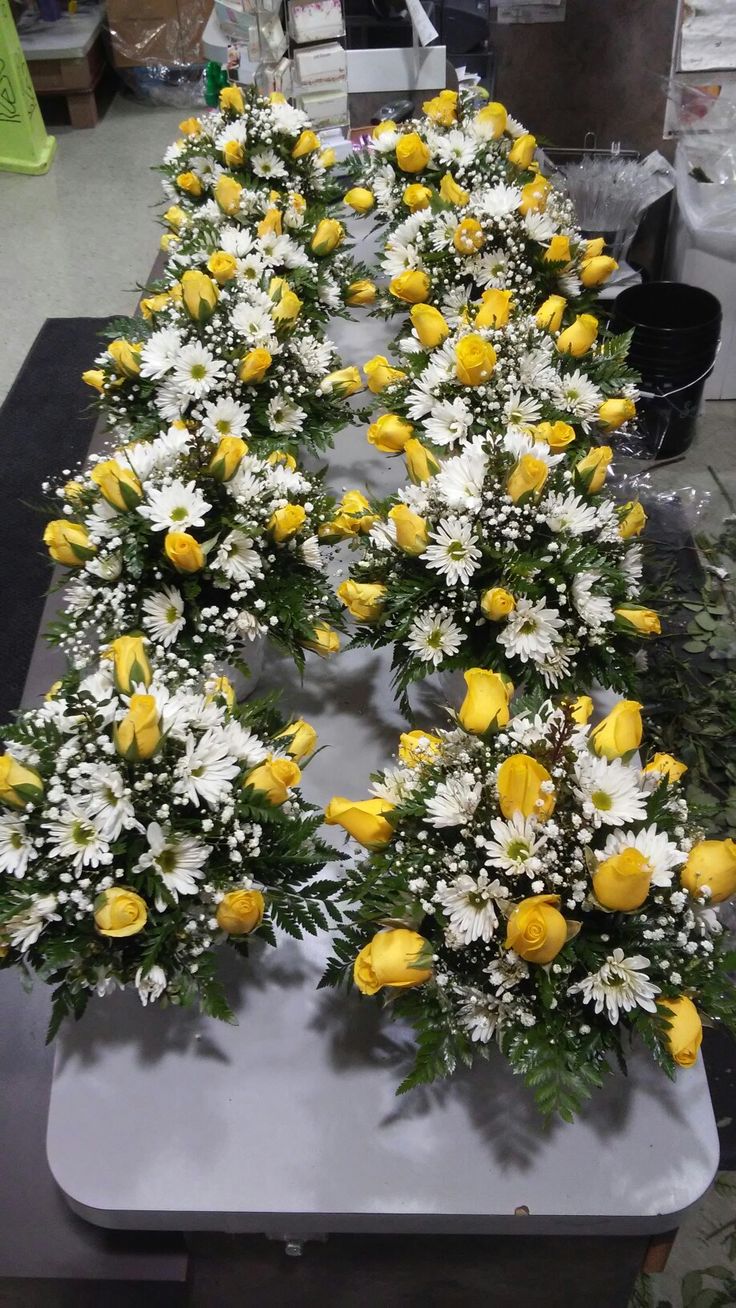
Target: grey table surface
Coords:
[[288, 1123]]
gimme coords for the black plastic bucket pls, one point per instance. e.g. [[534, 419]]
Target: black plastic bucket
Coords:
[[676, 333]]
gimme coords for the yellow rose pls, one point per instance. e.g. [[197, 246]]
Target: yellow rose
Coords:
[[491, 119], [191, 127], [412, 153], [307, 143], [227, 458], [418, 747], [550, 312], [200, 294], [363, 819], [233, 152], [416, 197], [190, 184], [277, 97], [274, 778], [581, 709], [534, 195], [595, 247], [223, 266], [390, 960], [711, 866], [411, 286], [411, 530], [496, 603], [592, 470], [287, 308], [300, 738], [475, 359], [384, 128], [363, 600], [117, 484], [495, 308], [231, 98], [643, 620], [168, 242], [442, 108], [361, 292], [279, 459], [597, 270], [451, 193], [119, 912], [558, 435], [73, 491], [621, 882], [183, 551], [558, 250], [360, 199], [685, 1034], [380, 374], [527, 477], [255, 365], [520, 781], [353, 516], [468, 237], [153, 304], [324, 641], [175, 217], [536, 929], [221, 687], [670, 768], [578, 338], [271, 223], [632, 519], [126, 357], [390, 433], [342, 382], [130, 663], [327, 237], [328, 158], [620, 731], [522, 151], [420, 462], [95, 378], [68, 543], [19, 785], [240, 912], [138, 735], [486, 702], [614, 413], [228, 193], [429, 324], [286, 522]]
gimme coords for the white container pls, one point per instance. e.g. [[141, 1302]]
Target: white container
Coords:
[[321, 65], [326, 108], [315, 20]]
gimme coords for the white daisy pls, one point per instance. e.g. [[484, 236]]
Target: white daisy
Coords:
[[243, 744], [595, 609], [454, 801], [448, 422], [569, 513], [574, 392], [531, 631], [478, 1015], [455, 148], [661, 853], [455, 554], [25, 927], [206, 771], [311, 553], [619, 986], [397, 784], [266, 163], [492, 268], [77, 836], [433, 638], [150, 986], [516, 844], [197, 370], [460, 480], [498, 201], [16, 850], [109, 801], [105, 566], [177, 859], [285, 416], [163, 615], [225, 417], [236, 240], [470, 903], [539, 226], [610, 791], [171, 401], [168, 448], [175, 507], [161, 352], [237, 558], [523, 410], [255, 322]]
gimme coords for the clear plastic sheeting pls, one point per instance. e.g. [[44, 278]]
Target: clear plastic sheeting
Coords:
[[156, 46], [611, 193]]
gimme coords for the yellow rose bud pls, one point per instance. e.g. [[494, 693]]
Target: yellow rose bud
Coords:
[[522, 151], [119, 912], [227, 458], [558, 435], [643, 620], [390, 960], [442, 108], [577, 339], [468, 237], [327, 237], [429, 324], [168, 242], [593, 469], [240, 912], [597, 270], [53, 690], [255, 365], [595, 247], [323, 641], [411, 530], [360, 199], [486, 702], [361, 292], [685, 1034], [343, 382], [711, 867], [287, 308], [200, 294], [536, 929], [527, 478], [138, 735], [286, 522], [221, 688], [274, 778], [363, 819], [183, 551], [272, 222], [354, 516], [534, 196], [412, 153], [277, 97], [328, 158], [380, 374], [632, 519], [307, 143], [190, 184], [383, 129], [117, 484], [390, 433], [614, 413], [520, 782], [558, 250], [497, 603], [549, 314], [451, 193], [131, 667], [95, 378], [233, 152], [191, 127], [300, 738], [492, 119], [495, 309], [231, 98], [420, 462], [228, 193], [73, 491], [126, 358], [223, 266], [620, 731], [153, 304], [416, 197], [279, 458], [68, 543], [412, 286], [581, 709], [621, 882], [19, 785], [363, 600], [418, 747], [475, 359], [175, 217], [670, 768]]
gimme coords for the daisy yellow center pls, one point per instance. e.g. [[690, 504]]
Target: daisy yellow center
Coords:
[[528, 627], [110, 796], [82, 834], [456, 550], [179, 514], [278, 414], [601, 800], [615, 978], [198, 372], [517, 849], [172, 613], [198, 772], [167, 860], [16, 840], [223, 426], [434, 639]]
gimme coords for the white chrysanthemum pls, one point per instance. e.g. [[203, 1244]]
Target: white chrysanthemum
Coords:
[[237, 558], [105, 566], [531, 631], [661, 853], [196, 370], [78, 837], [237, 241], [243, 744], [454, 552], [455, 148], [492, 268], [284, 416], [225, 417], [24, 928], [478, 1015], [595, 609], [287, 118], [252, 267], [163, 615], [311, 553], [536, 369], [515, 845], [619, 986], [266, 163], [448, 422], [454, 801], [433, 638], [610, 791], [177, 859], [539, 227], [576, 393], [150, 986], [460, 480], [175, 507], [397, 784], [161, 352], [16, 850], [169, 447], [206, 771], [471, 903], [384, 144], [632, 565], [498, 201], [569, 513], [108, 799]]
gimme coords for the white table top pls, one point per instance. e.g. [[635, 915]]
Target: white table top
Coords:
[[70, 37], [288, 1124]]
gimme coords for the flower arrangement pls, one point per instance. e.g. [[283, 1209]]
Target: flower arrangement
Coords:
[[528, 884], [196, 542], [144, 819], [510, 556]]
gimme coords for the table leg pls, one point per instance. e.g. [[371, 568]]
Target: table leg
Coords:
[[658, 1251], [82, 107]]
